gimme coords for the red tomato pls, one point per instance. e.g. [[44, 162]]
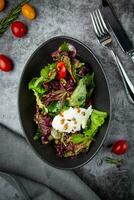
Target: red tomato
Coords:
[[61, 67], [120, 147], [19, 29], [5, 63]]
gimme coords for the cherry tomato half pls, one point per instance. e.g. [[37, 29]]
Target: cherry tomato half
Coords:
[[120, 147], [19, 29], [5, 63], [61, 67]]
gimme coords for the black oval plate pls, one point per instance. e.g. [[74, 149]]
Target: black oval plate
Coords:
[[26, 100]]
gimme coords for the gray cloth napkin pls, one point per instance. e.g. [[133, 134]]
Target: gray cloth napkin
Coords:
[[25, 176]]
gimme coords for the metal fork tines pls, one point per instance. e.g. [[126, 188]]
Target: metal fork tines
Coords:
[[105, 39]]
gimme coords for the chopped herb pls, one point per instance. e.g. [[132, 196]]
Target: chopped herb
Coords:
[[114, 161]]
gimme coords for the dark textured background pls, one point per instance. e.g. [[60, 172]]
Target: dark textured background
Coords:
[[71, 18]]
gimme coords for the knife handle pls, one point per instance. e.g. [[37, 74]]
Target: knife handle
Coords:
[[129, 87]]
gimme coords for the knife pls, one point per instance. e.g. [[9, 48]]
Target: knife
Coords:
[[121, 36]]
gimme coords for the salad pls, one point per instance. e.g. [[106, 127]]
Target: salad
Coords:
[[64, 115]]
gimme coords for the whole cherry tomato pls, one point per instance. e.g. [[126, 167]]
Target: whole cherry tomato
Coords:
[[28, 11], [2, 5], [19, 29], [61, 67], [5, 63], [120, 147]]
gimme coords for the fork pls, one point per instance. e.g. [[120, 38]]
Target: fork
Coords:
[[104, 37]]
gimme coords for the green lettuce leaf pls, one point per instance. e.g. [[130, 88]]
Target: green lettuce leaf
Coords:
[[39, 103], [77, 138], [36, 85], [64, 47], [48, 72], [97, 120], [78, 98]]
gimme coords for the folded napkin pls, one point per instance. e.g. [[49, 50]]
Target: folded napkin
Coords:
[[25, 176]]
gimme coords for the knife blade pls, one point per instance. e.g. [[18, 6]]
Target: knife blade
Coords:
[[119, 33]]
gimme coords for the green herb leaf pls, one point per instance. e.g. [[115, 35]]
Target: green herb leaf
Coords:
[[64, 47], [114, 161], [54, 107]]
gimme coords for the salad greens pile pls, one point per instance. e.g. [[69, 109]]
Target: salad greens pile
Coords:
[[63, 84]]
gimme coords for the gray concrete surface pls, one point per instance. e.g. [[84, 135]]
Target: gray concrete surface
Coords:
[[71, 18]]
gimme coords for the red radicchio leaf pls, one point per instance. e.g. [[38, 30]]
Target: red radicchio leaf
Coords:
[[84, 71], [70, 84], [55, 53], [58, 95], [45, 127]]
